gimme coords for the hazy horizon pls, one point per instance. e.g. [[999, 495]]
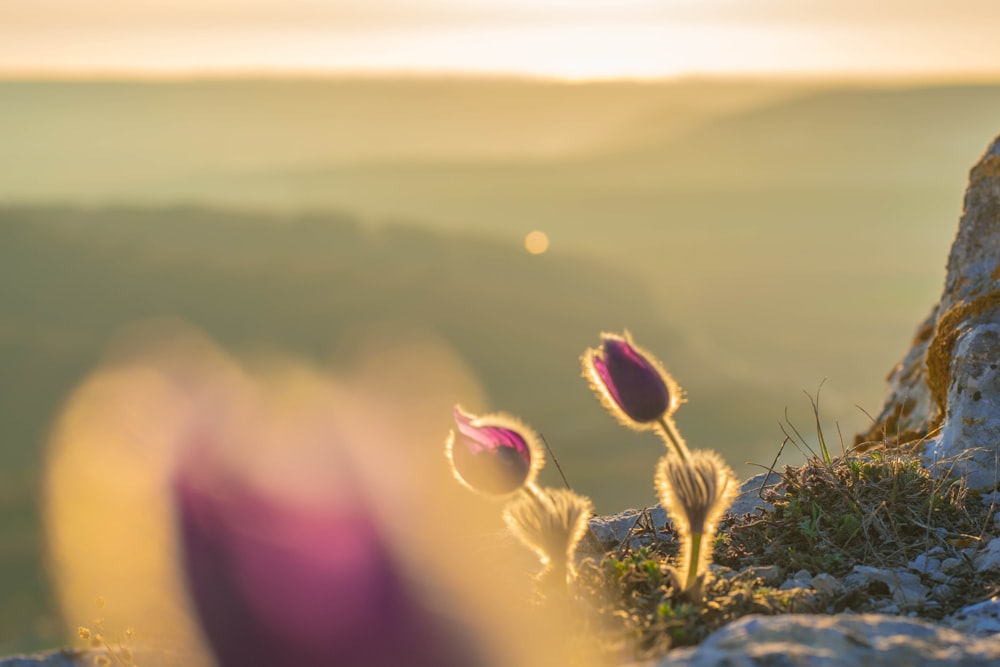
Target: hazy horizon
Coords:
[[581, 40], [826, 78]]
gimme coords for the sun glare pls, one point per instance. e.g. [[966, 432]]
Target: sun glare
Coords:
[[568, 39], [536, 242]]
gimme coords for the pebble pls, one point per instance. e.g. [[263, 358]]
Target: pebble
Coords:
[[825, 584], [49, 659], [925, 564], [988, 558], [980, 620]]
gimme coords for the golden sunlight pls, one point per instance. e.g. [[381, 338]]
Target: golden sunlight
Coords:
[[536, 242], [582, 39]]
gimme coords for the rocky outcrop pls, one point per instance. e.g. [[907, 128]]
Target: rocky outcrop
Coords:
[[944, 396]]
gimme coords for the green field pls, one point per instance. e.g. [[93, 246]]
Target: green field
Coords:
[[758, 236]]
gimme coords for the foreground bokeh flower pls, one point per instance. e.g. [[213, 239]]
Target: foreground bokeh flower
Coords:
[[278, 584], [630, 382], [493, 454], [265, 513], [695, 492]]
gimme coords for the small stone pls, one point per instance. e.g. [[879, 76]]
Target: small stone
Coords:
[[825, 584], [951, 564], [940, 577], [981, 619], [905, 586], [794, 585], [801, 579], [62, 658], [770, 575], [722, 572], [990, 499], [748, 500], [924, 564], [989, 558], [611, 531], [942, 592]]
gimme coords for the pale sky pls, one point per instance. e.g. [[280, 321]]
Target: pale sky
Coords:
[[576, 39]]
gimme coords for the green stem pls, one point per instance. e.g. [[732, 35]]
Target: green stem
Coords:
[[673, 437], [695, 555]]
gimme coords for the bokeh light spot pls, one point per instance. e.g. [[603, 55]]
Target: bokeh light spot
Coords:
[[536, 242]]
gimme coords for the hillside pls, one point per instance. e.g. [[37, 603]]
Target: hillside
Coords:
[[814, 216], [789, 231], [110, 140], [798, 219]]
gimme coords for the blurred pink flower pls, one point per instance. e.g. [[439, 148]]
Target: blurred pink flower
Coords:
[[279, 584]]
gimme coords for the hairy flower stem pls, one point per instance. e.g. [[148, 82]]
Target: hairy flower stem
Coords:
[[554, 540], [536, 493], [693, 559], [673, 437], [557, 573]]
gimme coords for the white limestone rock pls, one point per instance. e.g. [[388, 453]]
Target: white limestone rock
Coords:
[[925, 564], [634, 525], [906, 589], [948, 385], [825, 584], [845, 640], [638, 525], [51, 659], [749, 500], [981, 619], [988, 558]]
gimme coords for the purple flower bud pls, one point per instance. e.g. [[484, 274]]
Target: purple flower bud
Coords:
[[493, 454], [275, 583], [630, 381]]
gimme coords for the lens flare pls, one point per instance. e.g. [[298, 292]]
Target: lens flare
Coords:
[[536, 242]]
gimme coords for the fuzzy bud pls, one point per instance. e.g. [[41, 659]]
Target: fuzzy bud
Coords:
[[493, 454], [695, 492], [630, 382]]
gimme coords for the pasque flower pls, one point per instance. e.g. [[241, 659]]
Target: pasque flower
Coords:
[[630, 381], [493, 454], [695, 492], [635, 387], [497, 455], [279, 584]]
